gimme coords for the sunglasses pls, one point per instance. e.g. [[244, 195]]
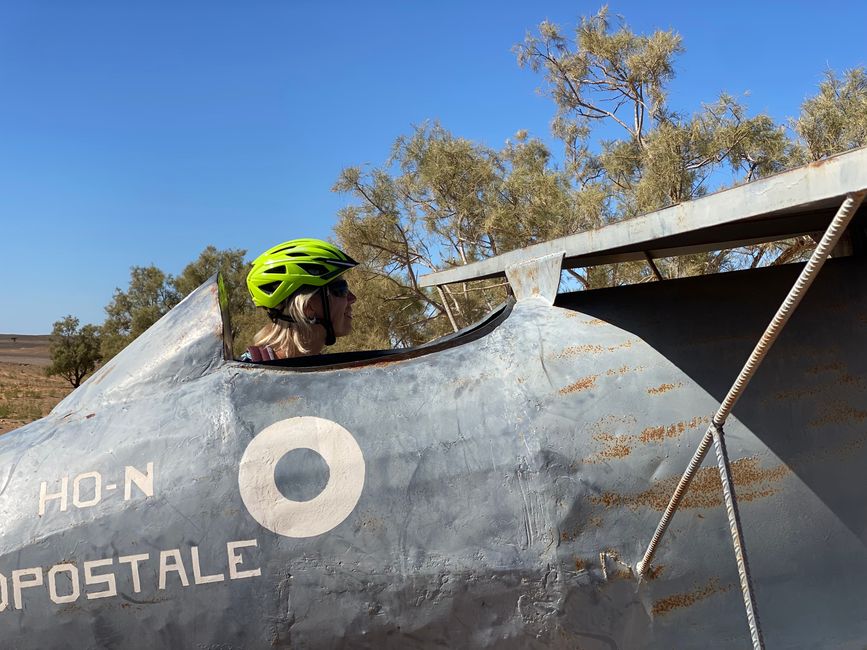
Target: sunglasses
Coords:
[[338, 288]]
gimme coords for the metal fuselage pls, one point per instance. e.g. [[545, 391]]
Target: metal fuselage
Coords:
[[495, 493]]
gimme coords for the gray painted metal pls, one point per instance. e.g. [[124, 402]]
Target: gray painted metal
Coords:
[[536, 278], [769, 336], [507, 485], [800, 201]]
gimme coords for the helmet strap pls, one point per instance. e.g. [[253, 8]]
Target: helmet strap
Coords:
[[326, 320], [277, 315]]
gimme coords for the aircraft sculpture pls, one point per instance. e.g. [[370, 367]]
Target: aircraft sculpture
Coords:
[[496, 488]]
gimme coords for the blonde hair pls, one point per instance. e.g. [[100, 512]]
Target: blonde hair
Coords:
[[290, 339]]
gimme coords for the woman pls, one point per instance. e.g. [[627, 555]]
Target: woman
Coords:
[[298, 283]]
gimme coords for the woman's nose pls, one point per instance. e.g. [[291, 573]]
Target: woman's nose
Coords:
[[351, 298]]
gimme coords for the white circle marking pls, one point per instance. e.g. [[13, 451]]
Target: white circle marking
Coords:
[[267, 505]]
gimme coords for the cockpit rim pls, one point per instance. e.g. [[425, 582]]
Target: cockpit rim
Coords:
[[364, 358]]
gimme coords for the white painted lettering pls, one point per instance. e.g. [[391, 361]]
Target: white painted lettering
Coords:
[[4, 593], [76, 489], [68, 580], [18, 583], [72, 596], [145, 482], [44, 496], [177, 566], [104, 578], [198, 578], [133, 567], [235, 559]]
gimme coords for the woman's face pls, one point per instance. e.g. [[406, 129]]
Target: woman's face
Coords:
[[340, 300]]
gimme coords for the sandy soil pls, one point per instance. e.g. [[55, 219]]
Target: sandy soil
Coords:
[[26, 394], [31, 349]]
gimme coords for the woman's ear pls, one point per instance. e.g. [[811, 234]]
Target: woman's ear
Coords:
[[313, 308]]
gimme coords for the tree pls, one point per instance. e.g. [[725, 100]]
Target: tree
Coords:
[[835, 119], [614, 79], [75, 351], [611, 80], [151, 294], [442, 200], [231, 264]]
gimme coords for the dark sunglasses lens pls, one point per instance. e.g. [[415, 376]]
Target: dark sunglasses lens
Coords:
[[339, 288]]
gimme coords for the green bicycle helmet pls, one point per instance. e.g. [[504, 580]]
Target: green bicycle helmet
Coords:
[[280, 271]]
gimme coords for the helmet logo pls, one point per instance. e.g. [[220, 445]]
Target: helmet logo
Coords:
[[299, 519]]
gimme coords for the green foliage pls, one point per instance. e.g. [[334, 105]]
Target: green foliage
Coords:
[[439, 201], [613, 79], [150, 295], [230, 263], [442, 200], [835, 119], [75, 351]]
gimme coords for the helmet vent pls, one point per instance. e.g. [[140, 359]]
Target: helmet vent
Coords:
[[276, 269], [269, 288], [312, 269]]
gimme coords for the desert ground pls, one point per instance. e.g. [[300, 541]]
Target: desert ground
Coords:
[[26, 394]]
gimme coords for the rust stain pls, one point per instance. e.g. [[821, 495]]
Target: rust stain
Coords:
[[626, 344], [660, 433], [838, 413], [836, 366], [654, 572], [385, 364], [580, 565], [614, 446], [799, 393], [575, 350], [752, 481], [595, 322], [582, 384], [610, 420], [663, 388], [622, 370], [289, 400], [595, 521], [617, 569], [690, 598]]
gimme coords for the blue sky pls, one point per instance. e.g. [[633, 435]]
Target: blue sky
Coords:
[[139, 133]]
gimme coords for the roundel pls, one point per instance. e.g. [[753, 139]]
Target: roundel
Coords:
[[267, 505]]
